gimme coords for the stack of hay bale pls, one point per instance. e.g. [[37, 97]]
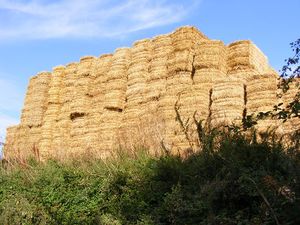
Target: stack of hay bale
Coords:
[[178, 88], [66, 94], [135, 94], [156, 81], [149, 103], [53, 111], [132, 95], [114, 98], [261, 98], [34, 111], [150, 121], [244, 61], [210, 67], [247, 63], [51, 114], [80, 105], [99, 88]]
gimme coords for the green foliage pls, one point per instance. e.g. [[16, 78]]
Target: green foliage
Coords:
[[236, 181]]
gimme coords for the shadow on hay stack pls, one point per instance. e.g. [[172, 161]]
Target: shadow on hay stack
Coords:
[[147, 95]]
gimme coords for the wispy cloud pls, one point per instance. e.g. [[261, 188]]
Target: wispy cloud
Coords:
[[38, 19]]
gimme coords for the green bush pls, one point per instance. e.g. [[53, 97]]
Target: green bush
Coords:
[[235, 182]]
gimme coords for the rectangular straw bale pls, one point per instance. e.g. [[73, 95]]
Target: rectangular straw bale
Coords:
[[85, 65], [101, 68], [245, 55], [115, 99], [210, 54], [162, 48], [157, 73], [154, 90], [227, 103], [68, 83], [182, 56], [180, 61], [180, 79], [261, 93]]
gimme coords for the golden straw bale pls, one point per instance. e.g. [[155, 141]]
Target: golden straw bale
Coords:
[[261, 93], [228, 102], [180, 61], [68, 83], [137, 74], [161, 42], [183, 54], [210, 54], [85, 64], [245, 55]]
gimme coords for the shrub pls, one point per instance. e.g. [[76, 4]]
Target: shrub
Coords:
[[236, 181]]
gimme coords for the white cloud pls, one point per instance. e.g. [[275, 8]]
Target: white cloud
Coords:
[[37, 19]]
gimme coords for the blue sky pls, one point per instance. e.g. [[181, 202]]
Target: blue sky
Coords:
[[36, 35]]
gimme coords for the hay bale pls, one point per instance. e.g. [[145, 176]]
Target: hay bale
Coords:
[[261, 93], [50, 129], [138, 73], [245, 55], [114, 98], [228, 103], [210, 54]]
